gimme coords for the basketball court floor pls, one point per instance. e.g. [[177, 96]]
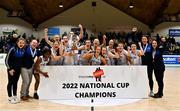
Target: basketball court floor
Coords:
[[169, 102]]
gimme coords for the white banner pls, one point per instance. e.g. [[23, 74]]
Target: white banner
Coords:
[[88, 82]]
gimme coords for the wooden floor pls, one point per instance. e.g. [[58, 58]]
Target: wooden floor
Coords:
[[170, 101]]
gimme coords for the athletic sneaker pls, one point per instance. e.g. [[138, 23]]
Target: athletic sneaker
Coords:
[[24, 98], [16, 99], [29, 97], [11, 100], [158, 95], [36, 96], [151, 94]]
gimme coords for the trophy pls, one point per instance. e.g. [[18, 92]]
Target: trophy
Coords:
[[73, 42]]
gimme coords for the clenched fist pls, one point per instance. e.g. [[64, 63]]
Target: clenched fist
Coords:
[[46, 30]]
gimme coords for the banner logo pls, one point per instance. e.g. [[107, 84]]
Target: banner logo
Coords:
[[98, 73]]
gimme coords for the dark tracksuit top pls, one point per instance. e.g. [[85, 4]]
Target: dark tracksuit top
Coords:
[[28, 58], [14, 58]]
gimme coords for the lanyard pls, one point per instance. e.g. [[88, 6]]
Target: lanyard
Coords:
[[153, 54], [33, 53], [144, 49]]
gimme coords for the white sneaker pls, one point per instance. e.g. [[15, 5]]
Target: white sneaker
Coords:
[[151, 94], [16, 99], [11, 100]]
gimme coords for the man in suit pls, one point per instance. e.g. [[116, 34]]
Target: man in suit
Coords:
[[147, 60]]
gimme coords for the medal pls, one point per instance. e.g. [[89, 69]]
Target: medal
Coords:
[[144, 49], [33, 53]]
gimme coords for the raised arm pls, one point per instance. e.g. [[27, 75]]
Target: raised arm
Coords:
[[129, 55], [141, 50], [46, 37], [104, 41], [81, 32]]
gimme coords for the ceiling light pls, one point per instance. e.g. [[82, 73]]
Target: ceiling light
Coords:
[[131, 4], [61, 5]]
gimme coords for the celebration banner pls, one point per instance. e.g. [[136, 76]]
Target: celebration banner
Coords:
[[88, 82]]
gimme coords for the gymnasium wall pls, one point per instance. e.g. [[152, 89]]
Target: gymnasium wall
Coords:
[[103, 16], [11, 23], [163, 28]]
